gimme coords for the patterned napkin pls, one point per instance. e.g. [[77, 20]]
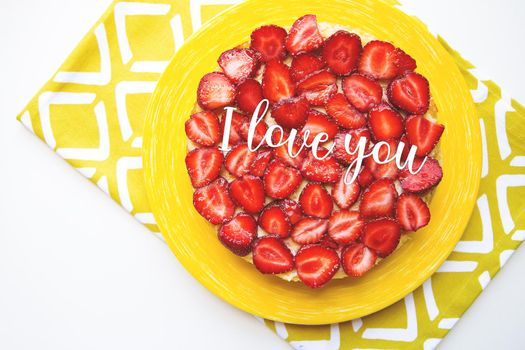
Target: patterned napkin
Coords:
[[91, 113]]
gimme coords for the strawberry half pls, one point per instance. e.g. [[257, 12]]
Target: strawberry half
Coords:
[[304, 35], [271, 256], [357, 259], [292, 209], [316, 265], [362, 92], [248, 192], [345, 195], [386, 170], [429, 176], [317, 123], [261, 161], [412, 212], [405, 63], [341, 52], [239, 64], [213, 202], [203, 128], [365, 178], [304, 65], [318, 87], [345, 226], [281, 180], [215, 91], [203, 165], [269, 41], [378, 200], [423, 133], [385, 123], [259, 132], [379, 60], [328, 242], [309, 230], [238, 234], [282, 153], [316, 201], [324, 170], [239, 159], [274, 220], [340, 152], [344, 114], [382, 236], [237, 123], [410, 93], [249, 94], [277, 83], [291, 113]]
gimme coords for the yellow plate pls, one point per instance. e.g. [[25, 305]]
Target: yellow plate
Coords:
[[194, 241]]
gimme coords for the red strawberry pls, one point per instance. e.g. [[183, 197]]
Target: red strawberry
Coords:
[[282, 153], [317, 123], [378, 199], [344, 114], [429, 176], [261, 161], [304, 35], [365, 177], [316, 265], [362, 92], [281, 180], [328, 242], [269, 41], [379, 60], [277, 84], [275, 221], [412, 212], [290, 113], [237, 123], [410, 93], [404, 62], [324, 170], [423, 133], [203, 128], [385, 123], [406, 147], [318, 87], [340, 152], [249, 94], [292, 209], [239, 64], [239, 159], [215, 91], [259, 133], [345, 226], [204, 165], [341, 52], [238, 234], [357, 259], [248, 192], [271, 256], [309, 230], [304, 65], [387, 170], [382, 236], [345, 195], [316, 201], [213, 202]]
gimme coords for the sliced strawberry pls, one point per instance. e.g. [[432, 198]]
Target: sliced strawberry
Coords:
[[382, 236], [238, 234], [239, 64], [365, 178], [261, 161], [345, 195], [345, 226], [215, 91], [274, 220], [385, 123], [406, 147], [291, 113], [404, 62], [213, 202], [378, 200], [344, 114], [304, 65], [317, 123], [387, 170], [238, 122], [309, 230], [429, 176], [269, 41], [203, 128], [410, 93], [321, 170], [259, 133], [328, 242], [292, 209], [304, 35], [203, 165], [248, 193], [362, 92], [379, 60], [423, 133], [271, 255], [357, 259], [282, 153], [277, 83], [281, 180], [341, 52], [412, 212], [249, 94], [318, 87], [316, 265], [340, 152], [239, 159], [316, 201]]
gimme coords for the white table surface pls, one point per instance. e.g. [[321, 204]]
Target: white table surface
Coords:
[[77, 272]]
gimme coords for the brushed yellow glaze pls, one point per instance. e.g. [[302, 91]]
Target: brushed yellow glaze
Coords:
[[194, 241]]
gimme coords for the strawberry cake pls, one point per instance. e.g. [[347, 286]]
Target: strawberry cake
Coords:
[[286, 210]]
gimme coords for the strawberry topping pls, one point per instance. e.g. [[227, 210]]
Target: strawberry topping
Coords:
[[237, 123], [292, 209], [274, 220], [316, 265], [316, 201], [291, 113], [261, 161], [281, 180], [277, 83], [344, 114], [340, 152], [239, 64], [318, 87], [203, 128], [423, 133], [317, 123], [387, 170], [269, 41], [203, 165], [385, 123], [345, 226], [362, 92], [249, 94], [378, 200], [248, 192], [357, 259], [412, 212], [271, 256], [304, 65], [410, 93], [345, 195], [382, 236], [341, 52], [365, 178], [215, 91], [321, 170], [239, 159], [429, 176], [213, 202], [379, 60], [238, 234], [309, 230], [304, 35], [282, 153]]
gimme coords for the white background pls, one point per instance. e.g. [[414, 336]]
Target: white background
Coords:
[[77, 272]]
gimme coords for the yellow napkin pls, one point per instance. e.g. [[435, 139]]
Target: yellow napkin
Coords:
[[91, 113]]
